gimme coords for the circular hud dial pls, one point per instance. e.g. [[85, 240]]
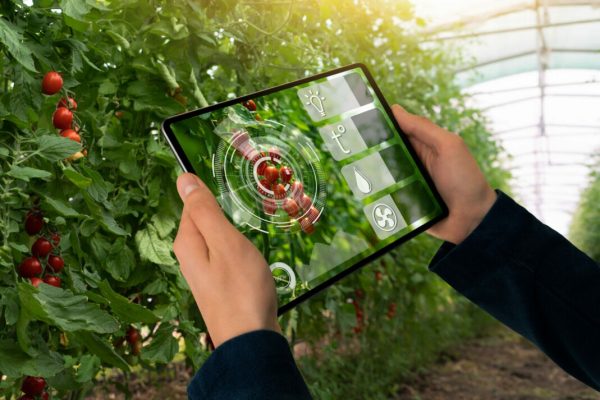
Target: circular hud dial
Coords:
[[270, 180]]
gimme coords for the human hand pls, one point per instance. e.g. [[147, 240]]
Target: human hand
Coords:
[[229, 278], [455, 173]]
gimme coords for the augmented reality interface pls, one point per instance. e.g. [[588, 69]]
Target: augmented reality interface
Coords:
[[315, 175]]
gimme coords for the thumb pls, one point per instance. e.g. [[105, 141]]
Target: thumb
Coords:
[[419, 128], [202, 207]]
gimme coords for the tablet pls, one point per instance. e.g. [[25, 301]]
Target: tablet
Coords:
[[316, 173]]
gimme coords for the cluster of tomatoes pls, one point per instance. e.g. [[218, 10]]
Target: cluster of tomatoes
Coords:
[[277, 183], [34, 387], [62, 118], [43, 260]]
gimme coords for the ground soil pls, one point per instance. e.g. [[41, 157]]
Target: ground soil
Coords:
[[501, 366]]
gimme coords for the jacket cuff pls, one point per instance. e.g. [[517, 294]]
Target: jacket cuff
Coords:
[[245, 366], [498, 235]]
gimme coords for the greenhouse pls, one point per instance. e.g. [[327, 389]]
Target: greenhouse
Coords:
[[332, 244]]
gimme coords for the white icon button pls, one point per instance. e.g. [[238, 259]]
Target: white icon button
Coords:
[[336, 136], [385, 217], [285, 279], [362, 183], [315, 100]]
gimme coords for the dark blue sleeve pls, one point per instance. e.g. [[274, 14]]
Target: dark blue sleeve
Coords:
[[255, 365], [535, 281]]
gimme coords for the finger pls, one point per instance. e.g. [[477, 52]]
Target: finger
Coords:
[[204, 210], [421, 148], [419, 128], [189, 243]]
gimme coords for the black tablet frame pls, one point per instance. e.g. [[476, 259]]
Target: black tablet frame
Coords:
[[187, 167]]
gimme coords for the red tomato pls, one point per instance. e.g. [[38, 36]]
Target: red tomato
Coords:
[[305, 201], [34, 223], [285, 174], [290, 207], [261, 168], [55, 238], [52, 280], [33, 385], [71, 134], [56, 263], [271, 173], [269, 206], [279, 191], [307, 226], [266, 184], [313, 215], [132, 335], [250, 105], [297, 191], [70, 103], [62, 118], [52, 83], [30, 267], [35, 281], [41, 247]]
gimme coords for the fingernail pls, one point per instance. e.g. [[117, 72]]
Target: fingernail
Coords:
[[186, 184]]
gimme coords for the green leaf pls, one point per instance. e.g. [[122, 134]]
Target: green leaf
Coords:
[[152, 248], [120, 260], [15, 363], [61, 207], [54, 148], [78, 180], [163, 347], [76, 9], [26, 173], [108, 222], [124, 309], [102, 349], [157, 286], [89, 365], [12, 38], [164, 224], [62, 308]]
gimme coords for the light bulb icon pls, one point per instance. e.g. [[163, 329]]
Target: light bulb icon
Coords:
[[316, 101]]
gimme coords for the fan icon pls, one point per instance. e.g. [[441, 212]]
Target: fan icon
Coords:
[[385, 217]]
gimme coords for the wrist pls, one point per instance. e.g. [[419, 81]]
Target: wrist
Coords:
[[476, 214]]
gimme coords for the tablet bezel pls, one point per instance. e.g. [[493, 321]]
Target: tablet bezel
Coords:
[[187, 167]]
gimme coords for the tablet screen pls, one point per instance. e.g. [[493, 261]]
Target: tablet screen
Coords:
[[315, 173]]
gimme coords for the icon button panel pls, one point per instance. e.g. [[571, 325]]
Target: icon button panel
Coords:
[[367, 176], [384, 217]]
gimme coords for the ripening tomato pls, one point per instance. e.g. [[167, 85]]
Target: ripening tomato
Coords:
[[52, 83], [56, 263], [290, 207], [52, 280], [271, 173], [132, 335], [269, 206], [279, 191], [71, 134], [55, 236], [69, 103], [41, 247], [62, 118], [305, 202], [35, 281], [33, 385], [285, 174], [307, 226], [297, 191], [250, 105], [30, 267]]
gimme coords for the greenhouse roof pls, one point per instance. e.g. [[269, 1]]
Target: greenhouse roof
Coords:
[[534, 68]]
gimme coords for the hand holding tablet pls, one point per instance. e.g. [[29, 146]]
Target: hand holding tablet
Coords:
[[316, 174]]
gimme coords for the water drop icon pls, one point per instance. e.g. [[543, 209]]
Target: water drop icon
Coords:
[[362, 182]]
